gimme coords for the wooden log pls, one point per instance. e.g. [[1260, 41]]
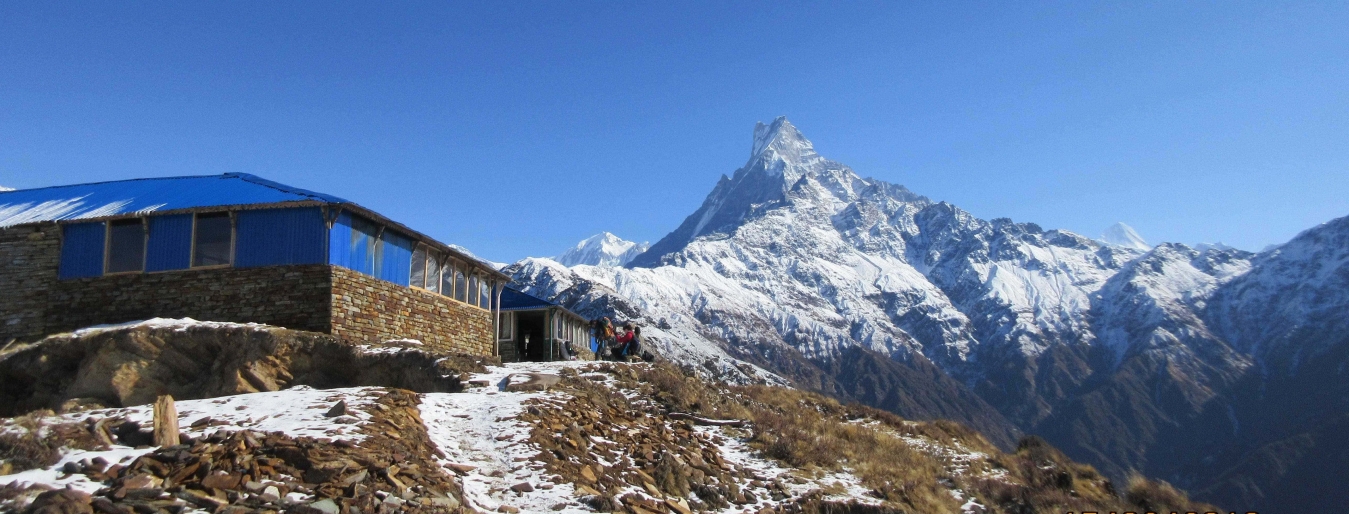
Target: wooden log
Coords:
[[166, 422], [698, 420], [101, 431]]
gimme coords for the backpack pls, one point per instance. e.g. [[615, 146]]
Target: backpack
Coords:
[[606, 328]]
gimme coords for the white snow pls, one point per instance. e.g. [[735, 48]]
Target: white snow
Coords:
[[478, 428], [1120, 234], [603, 249], [64, 209], [179, 324], [55, 478], [298, 411], [844, 261]]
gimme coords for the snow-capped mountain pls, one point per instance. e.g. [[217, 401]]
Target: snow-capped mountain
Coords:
[[1120, 234], [1113, 349], [603, 249]]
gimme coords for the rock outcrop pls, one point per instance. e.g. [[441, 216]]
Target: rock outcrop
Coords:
[[132, 365]]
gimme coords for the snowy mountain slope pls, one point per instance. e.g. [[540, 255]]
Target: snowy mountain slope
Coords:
[[594, 292], [1120, 234], [1292, 304], [603, 249], [1114, 349]]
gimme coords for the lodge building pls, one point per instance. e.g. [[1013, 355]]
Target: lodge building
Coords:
[[236, 247]]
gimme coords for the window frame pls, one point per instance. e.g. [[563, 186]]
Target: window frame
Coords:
[[107, 245], [436, 259], [424, 251], [506, 325], [234, 237], [460, 276], [471, 292]]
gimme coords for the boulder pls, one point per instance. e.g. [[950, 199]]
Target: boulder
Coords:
[[133, 365]]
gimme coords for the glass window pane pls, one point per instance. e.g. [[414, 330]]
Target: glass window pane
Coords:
[[417, 277], [504, 330], [473, 289], [484, 294], [447, 279], [212, 239], [126, 246], [460, 284], [433, 272]]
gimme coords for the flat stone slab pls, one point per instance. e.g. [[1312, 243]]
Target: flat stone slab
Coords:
[[530, 382]]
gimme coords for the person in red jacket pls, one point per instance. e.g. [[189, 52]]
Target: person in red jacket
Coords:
[[623, 342]]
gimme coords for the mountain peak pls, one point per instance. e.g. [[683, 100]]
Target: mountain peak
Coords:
[[780, 140], [1121, 234], [602, 249]]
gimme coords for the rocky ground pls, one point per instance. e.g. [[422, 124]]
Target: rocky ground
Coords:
[[535, 437]]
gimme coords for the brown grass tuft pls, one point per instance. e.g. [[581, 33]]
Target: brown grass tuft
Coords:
[[28, 448]]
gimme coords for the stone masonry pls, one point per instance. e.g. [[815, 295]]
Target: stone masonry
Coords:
[[316, 297], [29, 256], [293, 297], [369, 309]]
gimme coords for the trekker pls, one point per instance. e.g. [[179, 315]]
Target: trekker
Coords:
[[634, 348], [604, 338], [624, 341]]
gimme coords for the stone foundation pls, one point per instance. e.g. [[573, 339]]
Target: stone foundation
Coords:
[[369, 309], [294, 297], [29, 259], [316, 297]]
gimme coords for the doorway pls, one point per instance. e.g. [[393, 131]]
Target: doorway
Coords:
[[531, 325]]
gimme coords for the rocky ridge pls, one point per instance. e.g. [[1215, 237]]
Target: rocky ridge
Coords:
[[539, 437], [1118, 353]]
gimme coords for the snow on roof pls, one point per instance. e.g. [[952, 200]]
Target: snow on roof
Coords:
[[140, 196]]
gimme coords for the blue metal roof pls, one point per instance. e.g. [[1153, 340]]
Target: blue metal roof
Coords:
[[512, 300], [141, 196]]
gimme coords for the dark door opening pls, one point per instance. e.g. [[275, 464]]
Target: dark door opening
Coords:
[[530, 326]]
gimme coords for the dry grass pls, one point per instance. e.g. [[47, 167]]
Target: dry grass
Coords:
[[1157, 496], [30, 448], [38, 441], [812, 432]]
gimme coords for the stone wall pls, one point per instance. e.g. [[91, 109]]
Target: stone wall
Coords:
[[29, 260], [369, 309], [293, 297], [318, 298]]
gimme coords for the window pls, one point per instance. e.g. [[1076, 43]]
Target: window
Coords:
[[460, 286], [473, 289], [484, 294], [433, 272], [126, 246], [417, 277], [211, 239], [447, 278], [504, 329]]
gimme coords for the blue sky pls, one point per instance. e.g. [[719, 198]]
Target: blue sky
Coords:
[[518, 129]]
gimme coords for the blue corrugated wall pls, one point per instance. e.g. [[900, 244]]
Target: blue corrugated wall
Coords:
[[264, 237], [170, 244], [397, 263], [351, 244], [356, 243], [339, 241], [82, 250], [270, 237]]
